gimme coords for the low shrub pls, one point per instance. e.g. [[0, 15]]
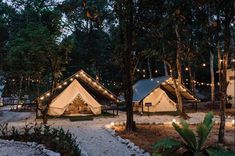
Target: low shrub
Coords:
[[192, 144], [55, 139]]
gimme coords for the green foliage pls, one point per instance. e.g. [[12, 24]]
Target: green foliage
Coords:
[[56, 139], [192, 144]]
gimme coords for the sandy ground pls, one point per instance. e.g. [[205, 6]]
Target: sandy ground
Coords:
[[92, 136], [146, 135]]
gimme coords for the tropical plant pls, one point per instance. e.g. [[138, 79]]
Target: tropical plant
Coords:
[[193, 144]]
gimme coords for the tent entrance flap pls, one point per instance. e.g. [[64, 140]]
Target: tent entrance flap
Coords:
[[65, 98]]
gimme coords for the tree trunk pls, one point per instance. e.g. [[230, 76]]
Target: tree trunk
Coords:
[[165, 69], [178, 55], [126, 32], [165, 64], [219, 64], [223, 97], [224, 83], [179, 72], [191, 78], [212, 79], [176, 85], [149, 68], [54, 69]]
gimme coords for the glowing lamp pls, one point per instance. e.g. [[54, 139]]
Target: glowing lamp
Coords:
[[112, 123]]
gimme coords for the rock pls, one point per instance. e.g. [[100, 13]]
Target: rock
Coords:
[[41, 146], [50, 153], [127, 141], [141, 151], [113, 133], [131, 145], [119, 138], [146, 154]]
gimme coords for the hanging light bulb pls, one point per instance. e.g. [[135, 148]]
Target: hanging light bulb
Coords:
[[203, 64], [138, 70], [186, 68], [155, 71]]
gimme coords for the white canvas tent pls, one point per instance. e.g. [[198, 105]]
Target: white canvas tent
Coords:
[[158, 95], [231, 85], [68, 95]]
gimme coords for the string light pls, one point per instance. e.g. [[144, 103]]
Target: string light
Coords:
[[155, 71], [41, 98], [144, 75], [138, 70], [233, 60], [143, 70], [203, 64], [48, 94], [186, 68]]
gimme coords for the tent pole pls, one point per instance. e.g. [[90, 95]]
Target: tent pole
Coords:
[[117, 109], [142, 107]]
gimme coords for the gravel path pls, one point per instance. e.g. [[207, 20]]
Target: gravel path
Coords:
[[8, 148], [96, 141]]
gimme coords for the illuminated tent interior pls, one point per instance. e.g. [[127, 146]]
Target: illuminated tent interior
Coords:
[[231, 86], [160, 94], [78, 94]]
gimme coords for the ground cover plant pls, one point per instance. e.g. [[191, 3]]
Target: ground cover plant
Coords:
[[55, 139]]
